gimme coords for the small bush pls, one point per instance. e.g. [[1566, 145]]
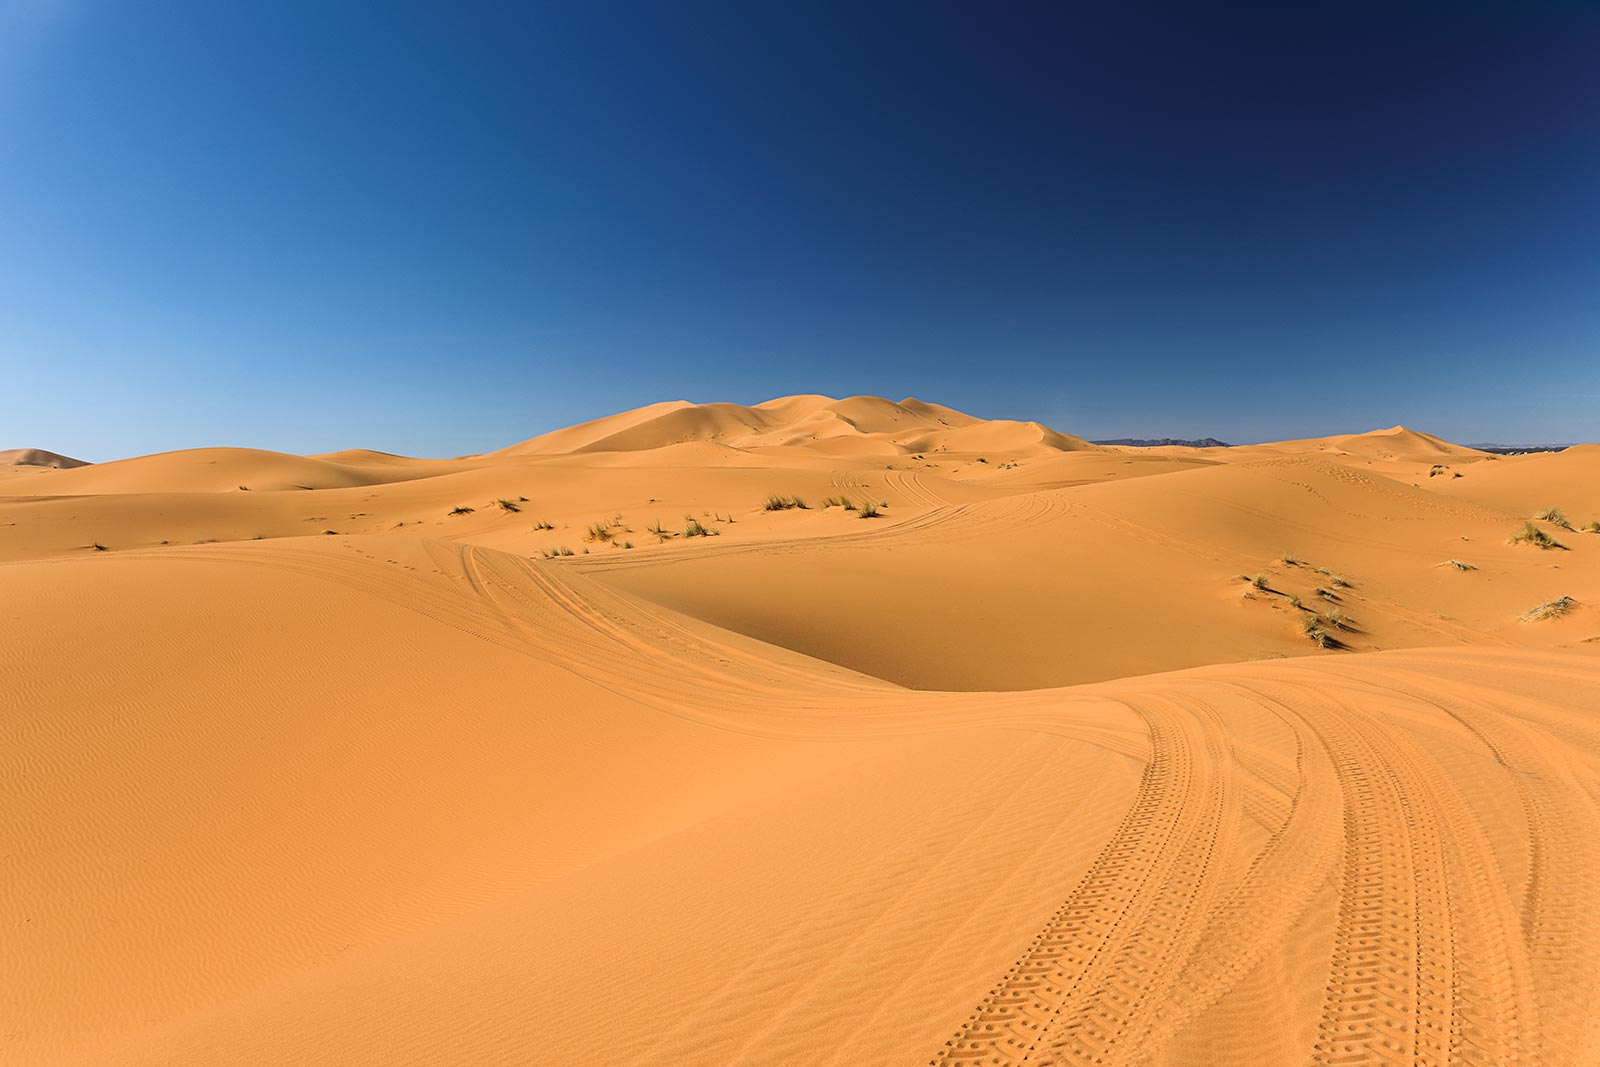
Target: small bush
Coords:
[[1554, 516], [869, 510], [982, 460], [508, 505], [784, 503], [1259, 581], [1593, 527], [331, 533], [599, 531], [462, 511], [1290, 559], [1455, 474], [693, 527], [1336, 619], [542, 525], [98, 547], [1532, 535], [1339, 581], [1294, 601], [1459, 565], [1327, 594], [1552, 609], [244, 489], [627, 544], [1436, 470], [848, 504], [1312, 627]]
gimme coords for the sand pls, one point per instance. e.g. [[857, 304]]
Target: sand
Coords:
[[300, 766]]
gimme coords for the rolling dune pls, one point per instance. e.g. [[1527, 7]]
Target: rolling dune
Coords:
[[1024, 769]]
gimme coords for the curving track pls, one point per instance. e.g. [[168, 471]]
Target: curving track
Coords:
[[1385, 858]]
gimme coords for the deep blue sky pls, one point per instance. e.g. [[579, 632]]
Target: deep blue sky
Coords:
[[441, 228]]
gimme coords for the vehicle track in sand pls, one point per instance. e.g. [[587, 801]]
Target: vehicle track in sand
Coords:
[[1437, 955]]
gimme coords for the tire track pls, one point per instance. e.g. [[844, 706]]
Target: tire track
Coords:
[[1141, 887]]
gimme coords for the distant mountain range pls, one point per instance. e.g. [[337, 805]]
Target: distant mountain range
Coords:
[[1517, 450], [1158, 442]]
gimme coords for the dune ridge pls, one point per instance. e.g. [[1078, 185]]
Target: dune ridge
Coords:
[[1040, 764]]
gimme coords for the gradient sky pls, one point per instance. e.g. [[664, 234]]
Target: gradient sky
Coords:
[[440, 228]]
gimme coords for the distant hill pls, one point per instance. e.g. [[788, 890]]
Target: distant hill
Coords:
[[37, 457], [1161, 442]]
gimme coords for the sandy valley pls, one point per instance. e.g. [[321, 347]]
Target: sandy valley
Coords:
[[822, 732]]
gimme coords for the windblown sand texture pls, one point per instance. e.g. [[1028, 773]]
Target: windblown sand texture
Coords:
[[340, 760]]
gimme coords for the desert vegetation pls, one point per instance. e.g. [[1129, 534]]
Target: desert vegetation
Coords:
[[1550, 609], [1532, 535], [1554, 516]]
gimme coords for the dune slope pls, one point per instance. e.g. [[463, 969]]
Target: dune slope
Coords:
[[1153, 865], [646, 743]]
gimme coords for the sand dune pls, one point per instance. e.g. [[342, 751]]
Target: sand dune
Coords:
[[817, 421], [36, 457], [1023, 769]]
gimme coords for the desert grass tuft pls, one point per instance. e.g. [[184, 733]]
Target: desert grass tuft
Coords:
[[1459, 565], [1593, 527], [693, 527], [599, 531], [98, 547], [1532, 535], [462, 511], [869, 510], [784, 503], [1312, 627], [507, 505], [1339, 581], [1259, 581], [1552, 609], [1554, 516]]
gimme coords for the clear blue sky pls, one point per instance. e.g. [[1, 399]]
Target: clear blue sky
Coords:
[[440, 228]]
